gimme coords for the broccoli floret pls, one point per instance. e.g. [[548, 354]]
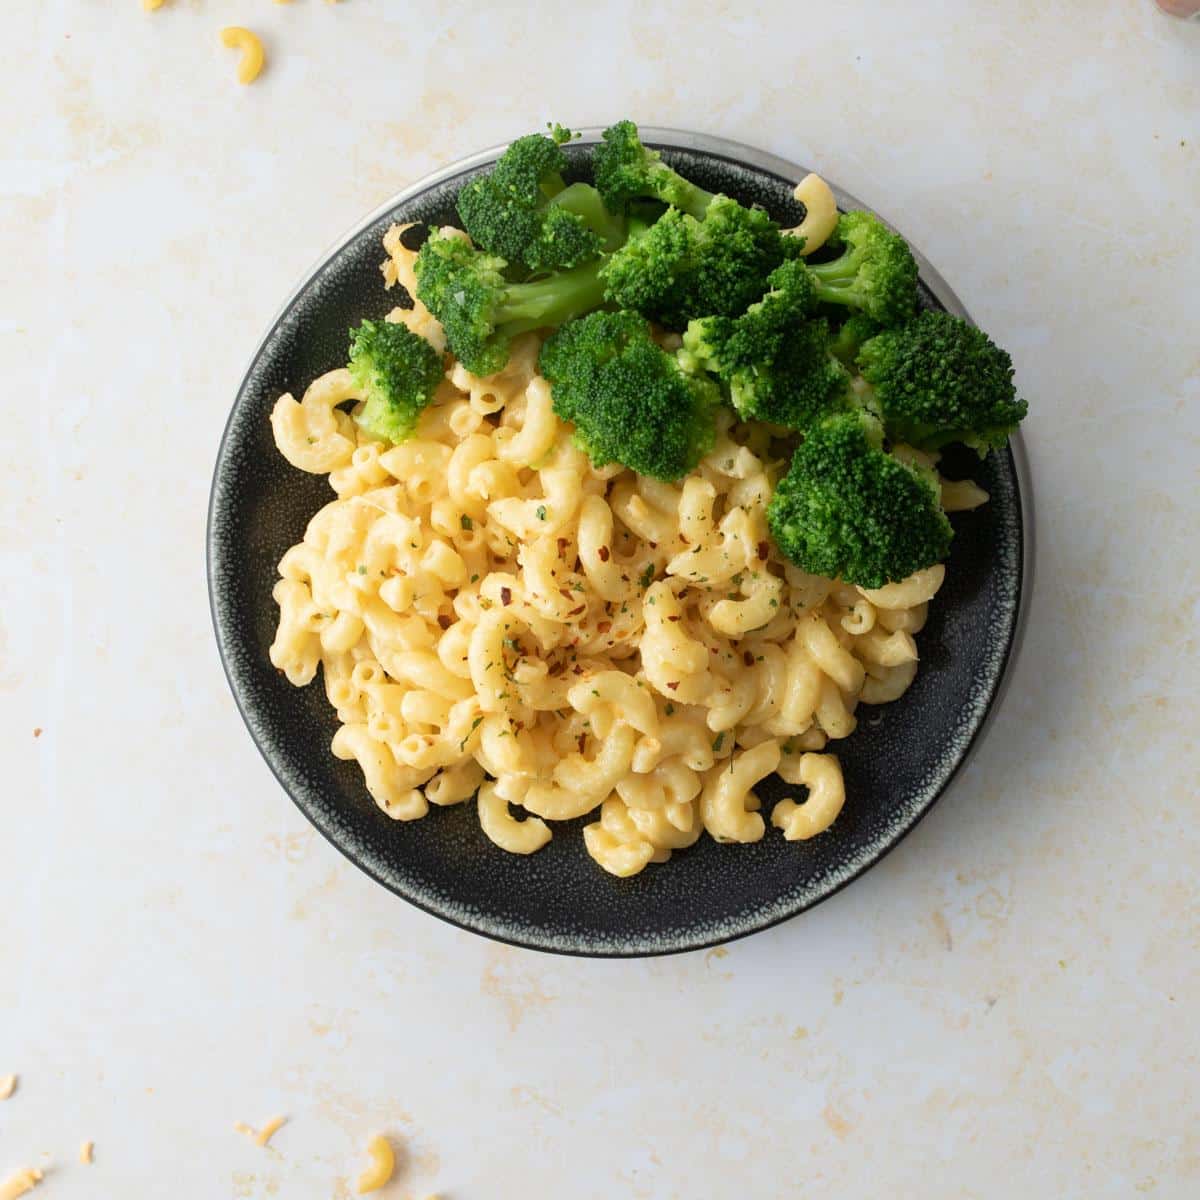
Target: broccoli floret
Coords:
[[938, 380], [480, 310], [399, 371], [681, 267], [775, 357], [875, 273], [630, 400], [848, 510], [625, 170], [522, 210], [582, 200], [851, 334]]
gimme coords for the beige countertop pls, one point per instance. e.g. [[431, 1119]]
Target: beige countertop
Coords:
[[1006, 1006]]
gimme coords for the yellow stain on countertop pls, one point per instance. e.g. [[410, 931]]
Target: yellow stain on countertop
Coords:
[[838, 1124], [520, 990], [291, 847], [942, 928], [525, 1096]]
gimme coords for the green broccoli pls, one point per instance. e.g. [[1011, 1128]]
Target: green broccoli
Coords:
[[480, 310], [851, 334], [630, 400], [774, 358], [875, 273], [681, 267], [848, 510], [938, 380], [582, 200], [625, 170], [399, 371], [524, 212]]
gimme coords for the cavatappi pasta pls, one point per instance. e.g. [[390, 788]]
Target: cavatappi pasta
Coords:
[[497, 620]]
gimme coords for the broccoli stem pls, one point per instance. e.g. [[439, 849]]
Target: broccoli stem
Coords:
[[836, 280], [551, 301], [687, 196], [638, 225], [839, 271], [551, 185], [584, 201]]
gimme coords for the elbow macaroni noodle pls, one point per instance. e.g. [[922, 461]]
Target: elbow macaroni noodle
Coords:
[[497, 619], [820, 213], [253, 57]]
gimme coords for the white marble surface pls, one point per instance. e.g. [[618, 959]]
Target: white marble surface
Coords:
[[1005, 1007]]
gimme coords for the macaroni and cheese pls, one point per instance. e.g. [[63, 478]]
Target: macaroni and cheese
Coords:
[[497, 620]]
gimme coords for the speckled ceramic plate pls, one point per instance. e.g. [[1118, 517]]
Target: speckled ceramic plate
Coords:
[[896, 765]]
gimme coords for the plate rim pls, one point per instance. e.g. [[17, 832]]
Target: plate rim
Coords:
[[738, 153]]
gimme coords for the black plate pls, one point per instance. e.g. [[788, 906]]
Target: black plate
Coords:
[[896, 765]]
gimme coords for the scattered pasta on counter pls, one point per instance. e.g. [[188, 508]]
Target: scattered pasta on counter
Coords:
[[20, 1183], [253, 57], [86, 1152], [383, 1164], [8, 1085], [263, 1136]]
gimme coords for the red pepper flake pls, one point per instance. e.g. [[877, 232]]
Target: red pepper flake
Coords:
[[576, 670], [603, 554], [576, 611], [624, 577], [674, 618], [684, 540], [674, 685], [444, 621], [603, 626], [748, 658], [506, 595], [763, 550], [582, 742], [566, 591], [653, 545], [562, 545]]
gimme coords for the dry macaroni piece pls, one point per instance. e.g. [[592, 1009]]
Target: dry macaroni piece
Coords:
[[263, 1136], [253, 56], [85, 1152], [383, 1163], [20, 1183], [495, 618], [8, 1085]]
